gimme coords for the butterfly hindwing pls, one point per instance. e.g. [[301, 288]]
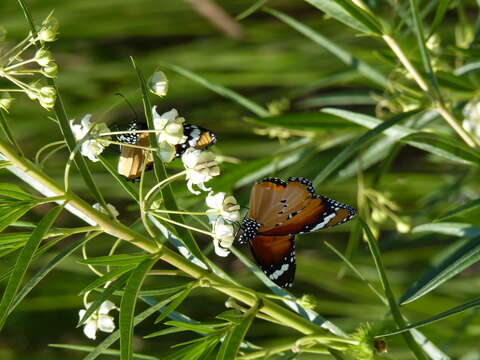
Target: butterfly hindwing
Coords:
[[276, 257]]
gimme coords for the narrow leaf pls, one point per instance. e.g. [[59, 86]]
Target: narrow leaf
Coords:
[[23, 261], [116, 260], [104, 296], [175, 303], [345, 56], [231, 342], [465, 256], [83, 348], [461, 210], [120, 179], [349, 14], [457, 309], [106, 278], [356, 145], [127, 307], [223, 91]]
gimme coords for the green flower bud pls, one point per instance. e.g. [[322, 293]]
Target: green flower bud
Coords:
[[47, 97], [158, 83], [43, 57], [49, 30], [50, 70], [5, 103]]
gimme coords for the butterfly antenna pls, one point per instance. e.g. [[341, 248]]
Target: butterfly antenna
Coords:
[[129, 104]]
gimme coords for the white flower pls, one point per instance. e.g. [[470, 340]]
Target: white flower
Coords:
[[170, 127], [219, 205], [110, 207], [167, 152], [201, 167], [471, 123], [93, 146], [99, 320], [223, 236], [158, 83]]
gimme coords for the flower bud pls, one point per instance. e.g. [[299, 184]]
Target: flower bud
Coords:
[[43, 57], [158, 83], [5, 103], [49, 30], [47, 97], [51, 70]]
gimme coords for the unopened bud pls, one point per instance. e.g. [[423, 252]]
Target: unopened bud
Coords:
[[47, 97], [51, 70], [43, 57], [49, 30], [5, 103], [158, 83]]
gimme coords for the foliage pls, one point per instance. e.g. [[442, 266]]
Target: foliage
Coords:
[[374, 101]]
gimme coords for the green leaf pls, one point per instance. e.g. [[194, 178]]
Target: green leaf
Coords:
[[349, 14], [45, 270], [453, 311], [345, 56], [232, 316], [355, 146], [454, 229], [439, 14], [308, 121], [220, 90], [465, 256], [106, 278], [105, 295], [127, 307], [198, 328], [116, 260], [175, 303], [13, 238], [14, 192], [169, 330], [392, 303], [461, 210], [440, 145], [444, 146], [12, 211], [233, 339], [23, 261], [116, 353]]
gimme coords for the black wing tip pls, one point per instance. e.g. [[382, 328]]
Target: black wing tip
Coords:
[[248, 230], [273, 180]]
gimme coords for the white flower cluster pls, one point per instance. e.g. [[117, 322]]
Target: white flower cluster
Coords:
[[200, 165], [471, 121], [223, 211], [99, 320], [92, 144]]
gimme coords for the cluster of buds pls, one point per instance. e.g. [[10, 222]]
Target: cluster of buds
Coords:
[[384, 208], [200, 165], [14, 67]]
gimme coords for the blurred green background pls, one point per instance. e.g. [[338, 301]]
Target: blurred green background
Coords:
[[266, 62]]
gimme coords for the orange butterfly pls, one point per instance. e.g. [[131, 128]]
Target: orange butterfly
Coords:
[[280, 210]]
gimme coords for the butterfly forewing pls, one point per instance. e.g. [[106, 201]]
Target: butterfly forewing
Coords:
[[276, 256]]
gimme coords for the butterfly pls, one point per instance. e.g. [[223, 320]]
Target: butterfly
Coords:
[[280, 210], [131, 160]]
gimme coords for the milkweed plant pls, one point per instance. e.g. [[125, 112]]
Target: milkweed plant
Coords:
[[424, 98]]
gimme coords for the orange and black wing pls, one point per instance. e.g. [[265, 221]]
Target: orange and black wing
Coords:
[[276, 257], [197, 137]]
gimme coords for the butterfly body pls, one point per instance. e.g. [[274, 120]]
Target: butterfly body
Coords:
[[280, 210], [130, 163]]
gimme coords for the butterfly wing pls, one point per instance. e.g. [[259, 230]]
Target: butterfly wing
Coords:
[[197, 137], [130, 162], [276, 257], [319, 213]]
